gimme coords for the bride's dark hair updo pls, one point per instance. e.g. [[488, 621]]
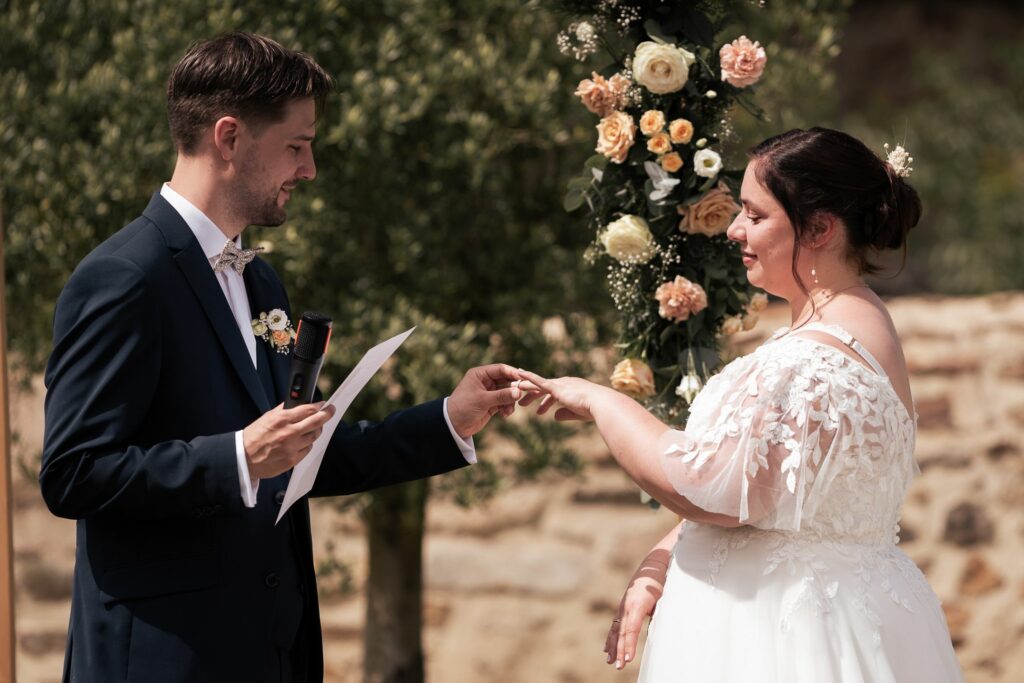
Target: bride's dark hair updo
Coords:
[[825, 171]]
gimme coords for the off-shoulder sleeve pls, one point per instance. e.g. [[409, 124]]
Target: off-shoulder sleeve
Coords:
[[762, 445]]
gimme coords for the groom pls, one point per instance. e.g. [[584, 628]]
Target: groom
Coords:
[[162, 438]]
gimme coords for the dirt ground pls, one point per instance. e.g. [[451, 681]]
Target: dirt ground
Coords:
[[522, 589]]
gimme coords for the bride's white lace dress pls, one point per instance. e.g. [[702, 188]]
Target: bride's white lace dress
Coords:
[[812, 450]]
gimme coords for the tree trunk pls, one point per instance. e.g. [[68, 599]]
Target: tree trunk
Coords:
[[393, 643]]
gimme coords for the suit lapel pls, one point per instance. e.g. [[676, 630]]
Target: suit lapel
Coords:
[[189, 257], [264, 292]]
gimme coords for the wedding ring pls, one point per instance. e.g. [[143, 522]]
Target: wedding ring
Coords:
[[515, 383], [616, 621]]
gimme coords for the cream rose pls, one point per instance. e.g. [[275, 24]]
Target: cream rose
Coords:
[[678, 299], [742, 62], [659, 144], [758, 302], [672, 162], [633, 378], [680, 131], [629, 239], [707, 163], [711, 214], [259, 328], [653, 121], [603, 96], [615, 135], [277, 319], [661, 68]]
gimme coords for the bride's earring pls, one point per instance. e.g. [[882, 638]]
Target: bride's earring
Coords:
[[814, 266]]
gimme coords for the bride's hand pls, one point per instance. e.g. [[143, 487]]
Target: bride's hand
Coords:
[[574, 394], [638, 603]]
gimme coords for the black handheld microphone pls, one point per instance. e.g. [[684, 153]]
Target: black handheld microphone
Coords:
[[310, 346]]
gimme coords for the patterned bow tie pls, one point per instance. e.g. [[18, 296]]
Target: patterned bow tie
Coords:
[[232, 256]]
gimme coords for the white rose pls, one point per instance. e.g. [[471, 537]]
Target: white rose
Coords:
[[661, 68], [629, 239], [707, 163], [277, 320]]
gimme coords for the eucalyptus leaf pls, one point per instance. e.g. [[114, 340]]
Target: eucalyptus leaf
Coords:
[[573, 200]]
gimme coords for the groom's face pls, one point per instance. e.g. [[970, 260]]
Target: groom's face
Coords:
[[276, 159]]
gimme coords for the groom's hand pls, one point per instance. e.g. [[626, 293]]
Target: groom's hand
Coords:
[[278, 440], [481, 393]]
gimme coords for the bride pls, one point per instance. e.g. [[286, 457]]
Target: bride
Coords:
[[795, 460]]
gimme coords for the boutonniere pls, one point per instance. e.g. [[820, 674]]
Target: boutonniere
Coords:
[[275, 329]]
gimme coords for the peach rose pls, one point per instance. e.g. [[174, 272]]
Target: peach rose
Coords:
[[653, 121], [749, 320], [615, 135], [680, 298], [672, 162], [711, 214], [742, 62], [603, 96], [659, 144], [281, 337], [731, 325], [758, 302], [681, 131], [633, 378]]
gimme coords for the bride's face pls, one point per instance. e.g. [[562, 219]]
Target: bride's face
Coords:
[[765, 236]]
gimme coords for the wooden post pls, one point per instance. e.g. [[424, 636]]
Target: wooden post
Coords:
[[7, 643]]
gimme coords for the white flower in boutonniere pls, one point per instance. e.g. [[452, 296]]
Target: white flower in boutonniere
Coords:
[[277, 319], [275, 329]]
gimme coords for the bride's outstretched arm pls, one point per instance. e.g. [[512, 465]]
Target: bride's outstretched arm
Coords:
[[631, 433]]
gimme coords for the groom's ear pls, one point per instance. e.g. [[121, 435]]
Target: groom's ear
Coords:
[[226, 135]]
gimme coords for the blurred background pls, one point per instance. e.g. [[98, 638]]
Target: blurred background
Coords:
[[441, 167]]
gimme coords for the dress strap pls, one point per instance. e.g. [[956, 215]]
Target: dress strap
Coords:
[[847, 338]]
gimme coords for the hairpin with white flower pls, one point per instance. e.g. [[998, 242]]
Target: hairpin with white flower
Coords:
[[900, 160]]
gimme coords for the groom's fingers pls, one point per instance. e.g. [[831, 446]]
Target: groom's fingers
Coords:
[[537, 380], [497, 375]]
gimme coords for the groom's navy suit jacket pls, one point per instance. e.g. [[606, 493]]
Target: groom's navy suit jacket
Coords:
[[175, 580]]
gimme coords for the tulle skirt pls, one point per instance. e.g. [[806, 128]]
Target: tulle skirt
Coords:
[[750, 606]]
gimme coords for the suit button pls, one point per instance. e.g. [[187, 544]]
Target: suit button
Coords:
[[272, 581], [279, 497]]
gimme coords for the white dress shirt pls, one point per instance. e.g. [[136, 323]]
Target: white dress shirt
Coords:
[[212, 239]]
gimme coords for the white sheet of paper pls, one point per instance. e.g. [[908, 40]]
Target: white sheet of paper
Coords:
[[304, 474]]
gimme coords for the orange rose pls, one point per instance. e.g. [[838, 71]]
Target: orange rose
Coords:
[[672, 162], [659, 144], [652, 122], [681, 131]]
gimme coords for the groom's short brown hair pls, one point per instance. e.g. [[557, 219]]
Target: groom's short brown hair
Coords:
[[238, 74]]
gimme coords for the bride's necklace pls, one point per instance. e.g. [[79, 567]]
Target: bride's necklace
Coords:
[[828, 295]]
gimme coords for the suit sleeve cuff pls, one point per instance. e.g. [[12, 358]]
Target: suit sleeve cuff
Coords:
[[249, 489], [466, 446]]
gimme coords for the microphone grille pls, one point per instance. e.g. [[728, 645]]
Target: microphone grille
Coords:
[[313, 333]]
